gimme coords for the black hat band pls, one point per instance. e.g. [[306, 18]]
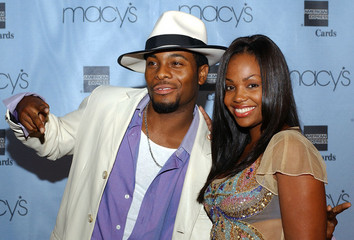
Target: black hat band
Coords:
[[172, 39]]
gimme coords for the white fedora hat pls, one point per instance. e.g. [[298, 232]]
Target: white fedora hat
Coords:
[[174, 30]]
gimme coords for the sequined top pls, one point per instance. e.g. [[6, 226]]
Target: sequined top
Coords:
[[246, 206]]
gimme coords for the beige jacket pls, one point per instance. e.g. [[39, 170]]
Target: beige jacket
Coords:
[[93, 134]]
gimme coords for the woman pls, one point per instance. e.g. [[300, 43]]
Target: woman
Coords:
[[267, 180]]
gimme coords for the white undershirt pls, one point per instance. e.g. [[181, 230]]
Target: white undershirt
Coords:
[[146, 171]]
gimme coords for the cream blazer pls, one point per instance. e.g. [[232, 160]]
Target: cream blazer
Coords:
[[93, 134]]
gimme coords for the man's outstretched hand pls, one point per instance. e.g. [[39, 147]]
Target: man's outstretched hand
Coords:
[[32, 114]]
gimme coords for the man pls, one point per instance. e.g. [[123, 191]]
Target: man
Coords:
[[140, 156]]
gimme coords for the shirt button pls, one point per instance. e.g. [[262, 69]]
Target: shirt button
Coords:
[[118, 227], [104, 175], [90, 219], [127, 196]]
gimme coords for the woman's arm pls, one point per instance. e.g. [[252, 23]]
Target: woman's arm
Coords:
[[303, 206]]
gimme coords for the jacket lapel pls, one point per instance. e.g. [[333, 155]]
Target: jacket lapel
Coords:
[[123, 116], [197, 172]]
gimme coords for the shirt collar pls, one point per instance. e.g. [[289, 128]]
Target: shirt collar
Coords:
[[189, 138], [142, 105]]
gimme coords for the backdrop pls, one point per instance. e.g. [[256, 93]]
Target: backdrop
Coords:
[[64, 49]]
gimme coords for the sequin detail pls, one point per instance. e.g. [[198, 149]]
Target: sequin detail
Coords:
[[229, 201], [239, 230]]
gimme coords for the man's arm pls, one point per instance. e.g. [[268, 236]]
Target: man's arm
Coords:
[[29, 118]]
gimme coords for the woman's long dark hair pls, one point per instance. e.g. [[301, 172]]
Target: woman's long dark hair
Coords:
[[278, 108]]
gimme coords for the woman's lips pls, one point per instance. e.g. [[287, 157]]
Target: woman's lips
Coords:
[[243, 111]]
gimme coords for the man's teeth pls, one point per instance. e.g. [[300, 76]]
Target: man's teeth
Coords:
[[243, 110]]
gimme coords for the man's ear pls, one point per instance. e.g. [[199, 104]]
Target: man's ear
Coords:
[[203, 74]]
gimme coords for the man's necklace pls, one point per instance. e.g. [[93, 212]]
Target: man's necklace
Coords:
[[147, 134]]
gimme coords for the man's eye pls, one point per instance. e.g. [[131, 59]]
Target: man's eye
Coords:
[[176, 63], [151, 63]]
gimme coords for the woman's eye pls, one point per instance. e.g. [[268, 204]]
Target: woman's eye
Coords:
[[229, 88], [253, 85]]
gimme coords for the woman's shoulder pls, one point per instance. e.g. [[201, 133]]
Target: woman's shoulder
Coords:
[[291, 138], [292, 132], [289, 152]]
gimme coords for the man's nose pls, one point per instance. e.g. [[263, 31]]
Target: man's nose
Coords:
[[163, 72]]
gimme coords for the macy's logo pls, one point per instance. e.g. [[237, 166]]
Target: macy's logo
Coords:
[[106, 14], [220, 13]]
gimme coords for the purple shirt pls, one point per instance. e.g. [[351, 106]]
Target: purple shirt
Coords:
[[159, 207]]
